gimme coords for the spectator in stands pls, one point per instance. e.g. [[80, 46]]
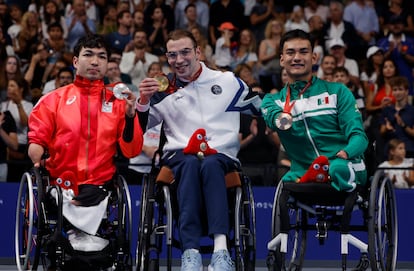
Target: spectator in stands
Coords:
[[141, 164], [138, 21], [327, 67], [338, 28], [63, 77], [365, 20], [337, 48], [56, 45], [5, 48], [20, 109], [297, 20], [341, 74], [8, 139], [316, 30], [245, 50], [157, 33], [268, 68], [51, 14], [10, 69], [397, 120], [206, 51], [16, 15], [166, 10], [316, 7], [136, 62], [202, 14], [400, 47], [223, 54], [109, 23], [371, 69], [79, 24], [396, 8], [36, 75], [113, 75], [262, 12], [122, 36], [224, 11], [27, 36], [191, 19], [401, 178], [380, 97]]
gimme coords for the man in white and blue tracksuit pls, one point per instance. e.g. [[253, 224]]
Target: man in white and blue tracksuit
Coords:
[[200, 97]]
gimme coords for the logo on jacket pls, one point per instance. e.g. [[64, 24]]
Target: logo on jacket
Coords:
[[71, 100], [216, 89]]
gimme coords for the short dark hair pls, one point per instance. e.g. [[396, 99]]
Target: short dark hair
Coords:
[[339, 69], [189, 6], [54, 25], [296, 34], [397, 81], [91, 41], [65, 69], [181, 33]]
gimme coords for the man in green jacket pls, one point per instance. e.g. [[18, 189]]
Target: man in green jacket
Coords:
[[314, 117]]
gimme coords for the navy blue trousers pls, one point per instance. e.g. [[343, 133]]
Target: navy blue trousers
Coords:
[[200, 183]]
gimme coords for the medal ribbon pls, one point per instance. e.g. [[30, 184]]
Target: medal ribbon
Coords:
[[173, 87], [288, 107]]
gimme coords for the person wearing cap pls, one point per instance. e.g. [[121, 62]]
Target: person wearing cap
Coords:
[[399, 47], [223, 57], [337, 48], [225, 11], [372, 69]]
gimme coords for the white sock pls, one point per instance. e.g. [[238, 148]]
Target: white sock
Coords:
[[220, 242]]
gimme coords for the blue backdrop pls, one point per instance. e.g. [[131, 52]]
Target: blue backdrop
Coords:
[[263, 200]]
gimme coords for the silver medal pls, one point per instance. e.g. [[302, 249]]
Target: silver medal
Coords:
[[284, 121], [117, 90]]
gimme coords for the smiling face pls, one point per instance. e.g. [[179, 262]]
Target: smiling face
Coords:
[[185, 60], [91, 63], [297, 58]]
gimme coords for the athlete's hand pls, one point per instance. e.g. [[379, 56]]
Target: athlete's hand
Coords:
[[147, 88]]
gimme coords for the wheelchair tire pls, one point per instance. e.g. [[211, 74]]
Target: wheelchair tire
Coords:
[[382, 224], [297, 236], [245, 243], [145, 226], [123, 259], [29, 220]]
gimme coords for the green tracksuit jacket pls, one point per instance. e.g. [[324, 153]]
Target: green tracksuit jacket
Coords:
[[325, 120]]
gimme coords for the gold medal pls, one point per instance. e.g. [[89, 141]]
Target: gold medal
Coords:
[[117, 90], [284, 121], [163, 82]]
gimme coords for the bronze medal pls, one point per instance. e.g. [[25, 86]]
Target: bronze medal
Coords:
[[284, 121]]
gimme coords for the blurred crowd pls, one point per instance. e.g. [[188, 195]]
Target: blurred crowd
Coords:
[[367, 45]]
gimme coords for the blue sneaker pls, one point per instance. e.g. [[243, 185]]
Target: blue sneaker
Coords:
[[221, 261], [191, 260]]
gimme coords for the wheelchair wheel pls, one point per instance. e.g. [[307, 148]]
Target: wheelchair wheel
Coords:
[[123, 259], [245, 232], [296, 246], [382, 224], [146, 223], [29, 221]]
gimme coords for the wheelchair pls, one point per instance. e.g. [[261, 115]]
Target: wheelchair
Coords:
[[158, 217], [318, 207], [41, 231]]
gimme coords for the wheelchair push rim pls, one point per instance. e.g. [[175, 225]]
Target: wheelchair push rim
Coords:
[[28, 218], [382, 226]]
